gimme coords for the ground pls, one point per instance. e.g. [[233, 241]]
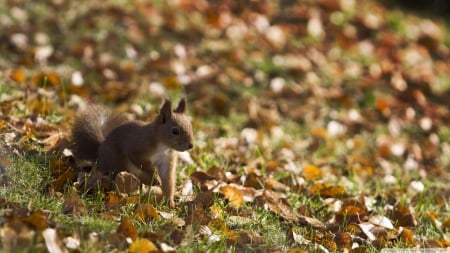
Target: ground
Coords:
[[319, 125]]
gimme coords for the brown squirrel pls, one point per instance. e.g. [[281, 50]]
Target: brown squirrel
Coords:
[[118, 144]]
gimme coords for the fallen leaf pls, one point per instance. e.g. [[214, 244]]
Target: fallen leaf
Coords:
[[142, 245], [253, 180], [233, 195], [311, 172], [382, 221], [403, 217], [310, 221], [407, 236], [17, 75], [73, 205], [343, 240], [127, 229], [144, 212], [57, 185], [37, 219], [126, 182]]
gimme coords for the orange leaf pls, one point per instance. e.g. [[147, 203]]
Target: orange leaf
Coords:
[[145, 211], [343, 240], [319, 132], [46, 79], [57, 185], [234, 195], [37, 219], [311, 172], [446, 224], [17, 75], [127, 229], [142, 245], [114, 201], [407, 236]]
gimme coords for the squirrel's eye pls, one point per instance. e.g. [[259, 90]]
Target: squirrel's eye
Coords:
[[175, 131]]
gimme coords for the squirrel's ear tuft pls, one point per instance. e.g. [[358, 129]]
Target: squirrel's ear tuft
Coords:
[[166, 111], [181, 108]]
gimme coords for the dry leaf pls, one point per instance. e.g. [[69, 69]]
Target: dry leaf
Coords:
[[343, 240], [145, 211], [73, 205], [311, 172], [127, 229], [311, 222], [57, 185], [253, 180], [403, 217], [142, 245], [126, 182], [17, 75], [233, 195], [37, 219]]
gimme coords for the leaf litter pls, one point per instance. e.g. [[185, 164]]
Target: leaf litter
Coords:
[[329, 118]]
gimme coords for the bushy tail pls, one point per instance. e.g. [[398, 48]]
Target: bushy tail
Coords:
[[90, 128]]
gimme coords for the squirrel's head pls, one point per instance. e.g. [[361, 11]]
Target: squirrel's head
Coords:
[[175, 128]]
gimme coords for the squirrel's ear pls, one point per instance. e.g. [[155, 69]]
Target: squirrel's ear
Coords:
[[166, 111], [181, 108]]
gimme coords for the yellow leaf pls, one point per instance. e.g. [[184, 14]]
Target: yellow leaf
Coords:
[[142, 245], [311, 172], [17, 75], [234, 195]]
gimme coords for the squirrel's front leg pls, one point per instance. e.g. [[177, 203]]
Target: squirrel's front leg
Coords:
[[167, 174]]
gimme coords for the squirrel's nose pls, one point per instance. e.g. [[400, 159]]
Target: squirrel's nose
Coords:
[[190, 145]]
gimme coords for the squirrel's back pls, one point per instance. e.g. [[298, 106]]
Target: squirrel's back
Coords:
[[90, 128]]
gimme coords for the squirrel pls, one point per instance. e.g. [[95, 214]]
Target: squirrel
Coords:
[[118, 144]]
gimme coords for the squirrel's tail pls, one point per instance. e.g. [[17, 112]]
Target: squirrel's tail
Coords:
[[90, 128]]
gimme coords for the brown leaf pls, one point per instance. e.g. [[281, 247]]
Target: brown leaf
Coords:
[[127, 229], [403, 217], [310, 221], [343, 240], [57, 185], [253, 180], [144, 212], [142, 245], [73, 205], [272, 184], [114, 201], [46, 79], [332, 192], [233, 195], [126, 182], [277, 205], [199, 178], [351, 213], [244, 238], [37, 219]]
